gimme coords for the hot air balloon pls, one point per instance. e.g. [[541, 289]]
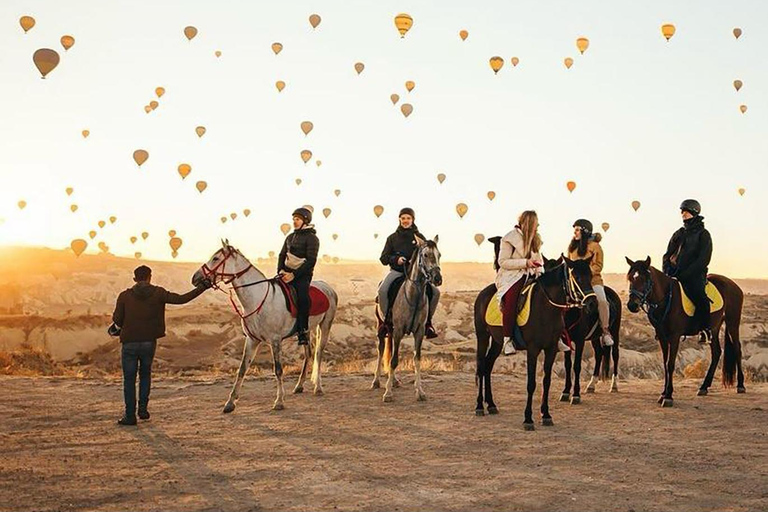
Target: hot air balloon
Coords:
[[174, 254], [375, 235], [223, 220], [184, 170], [668, 30], [201, 185], [582, 44], [133, 239], [280, 85], [318, 163], [112, 219], [406, 109], [314, 20], [46, 60], [298, 181], [277, 48], [285, 228], [67, 42], [335, 236], [743, 109], [147, 109], [190, 32], [21, 204], [309, 207], [737, 84], [568, 62], [306, 155], [515, 61], [140, 156], [605, 226], [102, 224], [171, 233], [571, 186], [200, 131], [306, 127], [271, 254], [737, 32], [86, 133], [441, 178], [69, 190], [159, 91], [463, 34], [359, 67], [103, 246], [137, 255], [479, 238], [153, 104], [144, 235], [741, 191], [27, 22], [217, 53], [175, 243], [246, 212], [92, 234], [462, 209], [403, 22], [326, 212], [78, 245], [636, 205], [337, 192], [496, 63], [378, 210], [491, 195], [394, 99], [409, 85], [73, 208]]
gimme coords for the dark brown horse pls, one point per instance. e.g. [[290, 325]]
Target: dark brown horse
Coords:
[[563, 285], [583, 324], [658, 295]]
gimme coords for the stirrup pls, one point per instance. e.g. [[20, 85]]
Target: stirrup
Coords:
[[509, 346]]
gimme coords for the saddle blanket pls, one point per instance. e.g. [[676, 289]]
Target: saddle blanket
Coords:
[[493, 314], [714, 296], [319, 303]]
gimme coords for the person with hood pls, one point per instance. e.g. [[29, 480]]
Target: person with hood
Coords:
[[585, 245], [296, 265], [687, 259], [397, 253], [139, 320]]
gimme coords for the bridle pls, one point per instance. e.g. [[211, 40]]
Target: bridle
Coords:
[[574, 295], [648, 307], [424, 276]]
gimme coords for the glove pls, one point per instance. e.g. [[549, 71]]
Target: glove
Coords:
[[114, 330]]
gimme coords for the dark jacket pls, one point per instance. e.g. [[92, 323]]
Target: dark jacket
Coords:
[[140, 311], [689, 251], [304, 244], [400, 243]]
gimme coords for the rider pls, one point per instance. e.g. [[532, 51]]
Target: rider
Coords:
[[687, 258], [519, 259], [397, 251], [585, 245], [296, 264]]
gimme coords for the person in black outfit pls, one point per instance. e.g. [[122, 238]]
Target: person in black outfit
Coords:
[[296, 264], [687, 259], [397, 252]]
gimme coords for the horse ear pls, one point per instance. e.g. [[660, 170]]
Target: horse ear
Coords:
[[629, 261], [565, 258], [436, 239], [648, 261], [419, 241]]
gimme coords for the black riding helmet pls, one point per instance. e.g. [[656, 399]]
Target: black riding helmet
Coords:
[[407, 211], [691, 206], [585, 225], [304, 213]]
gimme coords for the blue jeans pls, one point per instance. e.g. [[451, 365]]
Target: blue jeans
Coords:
[[137, 358]]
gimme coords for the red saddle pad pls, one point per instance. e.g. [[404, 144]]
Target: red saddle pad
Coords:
[[319, 303]]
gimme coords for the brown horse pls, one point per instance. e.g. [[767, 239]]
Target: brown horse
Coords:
[[658, 295]]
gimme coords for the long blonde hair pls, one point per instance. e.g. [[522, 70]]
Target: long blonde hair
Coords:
[[528, 224]]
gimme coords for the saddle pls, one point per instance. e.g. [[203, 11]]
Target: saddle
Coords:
[[493, 315], [319, 303], [391, 296], [713, 294]]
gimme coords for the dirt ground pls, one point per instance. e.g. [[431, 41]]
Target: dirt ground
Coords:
[[61, 449]]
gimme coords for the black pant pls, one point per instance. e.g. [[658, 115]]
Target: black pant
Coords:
[[303, 302], [137, 357], [695, 288]]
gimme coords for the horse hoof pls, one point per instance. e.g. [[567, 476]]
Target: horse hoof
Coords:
[[278, 407], [590, 389], [492, 409], [387, 398], [702, 392], [397, 383], [375, 384], [576, 400], [319, 392], [229, 408], [614, 389], [741, 390], [547, 422], [479, 412], [298, 390], [660, 400], [528, 426], [565, 397], [421, 397], [667, 402]]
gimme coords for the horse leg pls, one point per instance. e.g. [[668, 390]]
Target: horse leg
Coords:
[[576, 399], [671, 358], [549, 359], [493, 355], [715, 351], [379, 355], [322, 337], [664, 353], [304, 369], [278, 367], [595, 378], [394, 348], [532, 355], [249, 351], [566, 394], [615, 377], [418, 337]]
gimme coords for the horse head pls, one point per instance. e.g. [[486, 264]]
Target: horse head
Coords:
[[640, 283], [579, 281], [428, 259], [226, 264]]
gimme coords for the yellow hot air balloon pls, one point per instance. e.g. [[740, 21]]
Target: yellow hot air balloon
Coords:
[[441, 178], [491, 195], [102, 224], [201, 185], [314, 20], [337, 192], [463, 34], [636, 205], [46, 60], [69, 190], [409, 85], [171, 233], [174, 254], [153, 104], [67, 42], [133, 239], [741, 191], [86, 133], [298, 181], [309, 207], [306, 155], [668, 30], [159, 91], [140, 156], [223, 220], [606, 226], [306, 127], [200, 131], [175, 243], [462, 209], [582, 44], [103, 246], [233, 215], [147, 109], [285, 228], [318, 163], [394, 98], [246, 212], [73, 208], [326, 212], [479, 238], [737, 84], [144, 235], [335, 236], [217, 53], [571, 186], [743, 109], [27, 22], [137, 255], [406, 109], [496, 63], [277, 48], [280, 85], [190, 32], [568, 62], [21, 204], [184, 170], [112, 219], [78, 246], [515, 61], [403, 22], [92, 234], [737, 32], [359, 67], [378, 210]]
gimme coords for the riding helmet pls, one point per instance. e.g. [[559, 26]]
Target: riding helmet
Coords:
[[585, 225], [304, 213], [692, 206], [407, 211]]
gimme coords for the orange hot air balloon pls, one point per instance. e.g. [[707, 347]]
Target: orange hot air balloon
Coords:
[[280, 85], [102, 224], [223, 220], [571, 186], [606, 226], [737, 32], [246, 212], [67, 42], [159, 91], [337, 192], [298, 181], [496, 63], [27, 22], [144, 235], [462, 209], [737, 84], [133, 239], [69, 190], [153, 104], [46, 60], [515, 61], [285, 228], [92, 234], [86, 133], [463, 34], [147, 109], [137, 255], [184, 170], [409, 85], [314, 20], [568, 62], [491, 195], [359, 67], [394, 98], [582, 44], [21, 204], [406, 109], [233, 215], [112, 219], [175, 243], [378, 210], [403, 22], [73, 208], [636, 205], [743, 109], [201, 185], [326, 212], [140, 156], [335, 237], [78, 245], [200, 131], [479, 238], [190, 32], [306, 127], [441, 178], [668, 30], [277, 48], [741, 191], [306, 155], [217, 53], [171, 233]]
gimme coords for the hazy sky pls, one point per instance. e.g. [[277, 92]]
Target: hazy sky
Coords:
[[635, 118]]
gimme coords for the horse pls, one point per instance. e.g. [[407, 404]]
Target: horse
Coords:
[[265, 317], [409, 316], [565, 284], [584, 325], [659, 296]]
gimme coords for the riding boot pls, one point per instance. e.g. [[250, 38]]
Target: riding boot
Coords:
[[429, 331], [303, 337]]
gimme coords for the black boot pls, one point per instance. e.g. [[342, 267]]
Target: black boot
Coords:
[[127, 421], [303, 337], [143, 413], [430, 332]]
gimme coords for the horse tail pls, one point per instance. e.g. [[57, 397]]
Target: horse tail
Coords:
[[732, 350], [482, 332], [605, 368], [387, 351], [615, 328]]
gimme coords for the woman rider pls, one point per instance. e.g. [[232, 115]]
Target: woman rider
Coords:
[[397, 252], [296, 264], [586, 246]]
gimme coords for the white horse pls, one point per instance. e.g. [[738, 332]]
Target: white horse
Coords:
[[265, 318]]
